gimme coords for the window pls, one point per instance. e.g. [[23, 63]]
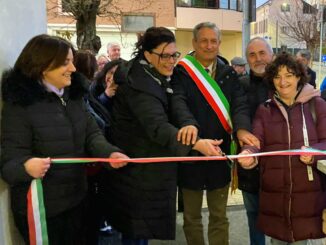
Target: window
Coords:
[[233, 4], [285, 7], [137, 23], [285, 29], [184, 3], [224, 4]]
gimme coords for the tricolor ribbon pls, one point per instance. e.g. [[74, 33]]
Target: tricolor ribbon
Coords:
[[36, 211]]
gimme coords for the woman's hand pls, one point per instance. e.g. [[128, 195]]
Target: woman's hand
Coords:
[[111, 89], [208, 147], [306, 159], [187, 135], [118, 155], [247, 162], [37, 167]]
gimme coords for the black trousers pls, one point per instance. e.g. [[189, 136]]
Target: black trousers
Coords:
[[63, 229]]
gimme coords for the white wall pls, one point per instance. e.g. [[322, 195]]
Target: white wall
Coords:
[[19, 21]]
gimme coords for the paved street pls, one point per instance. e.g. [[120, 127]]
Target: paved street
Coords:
[[237, 218]]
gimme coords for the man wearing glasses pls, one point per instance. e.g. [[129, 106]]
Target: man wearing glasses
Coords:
[[207, 91]]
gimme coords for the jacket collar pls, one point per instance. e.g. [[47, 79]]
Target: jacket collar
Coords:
[[22, 90], [139, 78]]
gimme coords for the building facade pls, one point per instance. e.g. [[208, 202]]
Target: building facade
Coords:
[[134, 16], [277, 20]]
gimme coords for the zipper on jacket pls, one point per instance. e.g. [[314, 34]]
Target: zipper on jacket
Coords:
[[63, 102]]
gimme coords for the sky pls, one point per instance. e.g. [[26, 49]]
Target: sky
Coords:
[[260, 2]]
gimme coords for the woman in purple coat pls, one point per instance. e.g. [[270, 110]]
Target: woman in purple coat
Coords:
[[293, 191]]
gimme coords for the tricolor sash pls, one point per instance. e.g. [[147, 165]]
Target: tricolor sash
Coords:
[[211, 92], [217, 100]]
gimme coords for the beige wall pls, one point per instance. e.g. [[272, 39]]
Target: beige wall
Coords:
[[231, 43], [229, 20]]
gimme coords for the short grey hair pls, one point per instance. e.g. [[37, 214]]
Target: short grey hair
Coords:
[[110, 44], [209, 25], [305, 53], [268, 46]]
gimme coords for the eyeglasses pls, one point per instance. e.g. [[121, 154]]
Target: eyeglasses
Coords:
[[167, 57]]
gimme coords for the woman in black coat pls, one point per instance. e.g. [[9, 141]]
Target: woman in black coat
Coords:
[[43, 117], [141, 201]]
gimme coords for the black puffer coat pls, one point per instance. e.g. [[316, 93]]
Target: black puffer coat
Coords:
[[257, 92], [189, 107], [141, 198], [35, 123]]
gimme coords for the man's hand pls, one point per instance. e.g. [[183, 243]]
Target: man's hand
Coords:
[[208, 147], [187, 135], [37, 167], [118, 155], [245, 137]]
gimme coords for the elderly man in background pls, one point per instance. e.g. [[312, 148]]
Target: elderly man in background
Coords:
[[304, 57], [114, 51], [239, 65], [259, 54]]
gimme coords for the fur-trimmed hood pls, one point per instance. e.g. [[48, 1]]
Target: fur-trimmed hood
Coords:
[[19, 89]]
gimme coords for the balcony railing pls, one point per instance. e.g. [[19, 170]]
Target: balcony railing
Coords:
[[211, 4]]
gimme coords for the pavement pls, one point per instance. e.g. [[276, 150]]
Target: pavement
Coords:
[[238, 229]]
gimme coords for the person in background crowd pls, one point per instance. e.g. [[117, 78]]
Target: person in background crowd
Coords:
[[323, 85], [101, 61], [239, 65], [292, 191], [192, 113], [304, 57], [114, 51], [104, 88], [86, 64], [141, 199], [259, 54], [44, 117]]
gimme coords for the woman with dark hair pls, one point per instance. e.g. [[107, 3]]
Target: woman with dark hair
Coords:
[[85, 63], [141, 198], [44, 117], [292, 192], [104, 88]]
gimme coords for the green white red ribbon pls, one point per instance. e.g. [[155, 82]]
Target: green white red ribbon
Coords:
[[36, 211], [38, 234]]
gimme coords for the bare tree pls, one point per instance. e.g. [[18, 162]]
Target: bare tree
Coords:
[[85, 13], [298, 21]]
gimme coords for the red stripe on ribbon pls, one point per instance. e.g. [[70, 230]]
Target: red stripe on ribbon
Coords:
[[30, 218]]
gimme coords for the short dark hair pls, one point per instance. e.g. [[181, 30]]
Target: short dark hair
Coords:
[[42, 52], [152, 38], [288, 61], [85, 63]]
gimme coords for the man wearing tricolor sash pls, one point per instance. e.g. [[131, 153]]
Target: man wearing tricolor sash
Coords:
[[207, 94]]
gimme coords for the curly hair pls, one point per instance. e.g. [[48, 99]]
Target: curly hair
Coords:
[[285, 60]]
